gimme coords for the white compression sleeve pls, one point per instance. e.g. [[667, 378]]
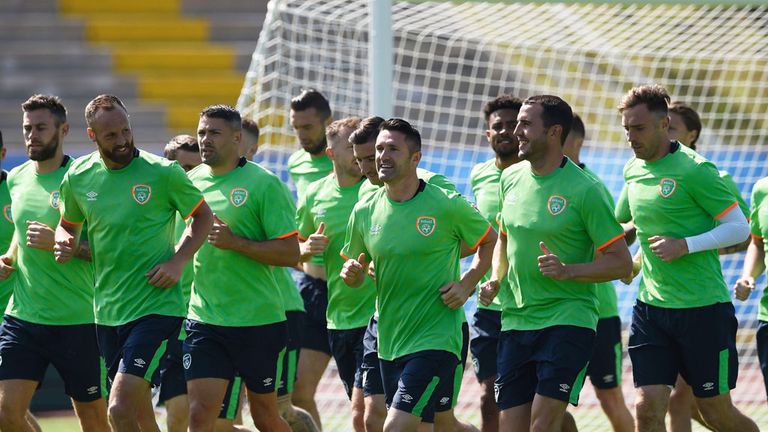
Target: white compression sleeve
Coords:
[[733, 229]]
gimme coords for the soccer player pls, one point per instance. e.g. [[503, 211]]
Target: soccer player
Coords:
[[420, 292], [129, 199], [236, 320], [683, 320], [249, 145], [604, 368], [501, 118], [685, 126], [173, 387], [50, 316], [322, 218], [310, 115], [553, 217], [364, 148], [754, 266]]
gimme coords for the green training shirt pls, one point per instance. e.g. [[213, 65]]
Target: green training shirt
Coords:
[[567, 210], [416, 246], [46, 292], [485, 178], [6, 236], [231, 289], [734, 189], [759, 227], [305, 169], [326, 202], [131, 215], [288, 291], [189, 272], [679, 195], [607, 301]]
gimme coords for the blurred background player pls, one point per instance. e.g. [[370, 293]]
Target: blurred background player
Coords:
[[322, 217], [310, 115], [6, 228], [249, 144], [501, 119], [605, 367]]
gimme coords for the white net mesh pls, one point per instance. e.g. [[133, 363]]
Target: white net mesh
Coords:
[[450, 58]]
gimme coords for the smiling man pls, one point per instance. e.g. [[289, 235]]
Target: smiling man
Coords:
[[129, 199], [553, 217]]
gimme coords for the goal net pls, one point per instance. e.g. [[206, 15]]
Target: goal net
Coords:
[[451, 57]]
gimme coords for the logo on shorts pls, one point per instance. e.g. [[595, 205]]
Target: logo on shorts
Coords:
[[91, 196], [565, 388], [476, 364], [556, 204], [667, 187], [139, 362], [375, 229], [53, 200], [267, 381], [7, 213], [141, 193], [708, 386], [406, 398], [186, 361], [608, 378], [426, 225], [238, 196], [92, 390], [445, 400], [496, 390]]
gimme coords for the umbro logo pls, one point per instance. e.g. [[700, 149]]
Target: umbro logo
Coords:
[[91, 196], [92, 390], [708, 386], [267, 381], [139, 362], [565, 388], [608, 378], [445, 400], [407, 398]]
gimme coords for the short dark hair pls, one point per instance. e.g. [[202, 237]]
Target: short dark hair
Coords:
[[182, 142], [49, 102], [224, 112], [311, 98], [412, 136], [654, 96], [367, 131], [251, 127], [690, 118], [577, 126], [504, 101], [105, 102], [555, 111]]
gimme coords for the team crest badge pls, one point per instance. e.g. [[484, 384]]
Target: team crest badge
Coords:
[[238, 196], [667, 187], [141, 193], [53, 200], [7, 213], [187, 360], [426, 225], [556, 205]]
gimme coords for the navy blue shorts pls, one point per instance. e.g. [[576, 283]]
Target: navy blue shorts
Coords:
[[26, 350], [255, 353], [551, 362], [762, 351], [411, 381], [484, 345], [295, 322], [314, 292], [448, 391], [604, 368], [698, 343], [371, 367], [347, 348], [139, 347]]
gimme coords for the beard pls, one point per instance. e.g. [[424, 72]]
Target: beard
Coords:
[[315, 148], [119, 158], [47, 151], [505, 151]]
